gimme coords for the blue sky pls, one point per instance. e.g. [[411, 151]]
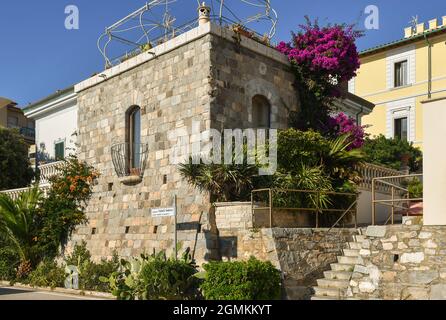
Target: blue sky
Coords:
[[39, 56]]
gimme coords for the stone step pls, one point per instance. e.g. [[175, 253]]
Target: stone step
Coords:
[[342, 267], [331, 283], [329, 292], [323, 298], [359, 238], [350, 260], [351, 252], [340, 275], [355, 245]]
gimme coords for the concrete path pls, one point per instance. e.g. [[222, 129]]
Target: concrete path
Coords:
[[10, 293]]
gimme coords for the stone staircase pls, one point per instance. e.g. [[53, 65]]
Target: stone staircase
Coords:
[[336, 282]]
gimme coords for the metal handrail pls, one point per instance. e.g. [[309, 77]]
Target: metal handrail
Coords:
[[304, 259], [316, 209], [393, 202]]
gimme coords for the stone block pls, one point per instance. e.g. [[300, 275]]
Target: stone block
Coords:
[[415, 257], [376, 231], [391, 239], [361, 269], [366, 287], [438, 292], [419, 277], [425, 235], [415, 293]]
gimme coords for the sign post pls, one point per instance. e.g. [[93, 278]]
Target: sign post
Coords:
[[169, 212], [176, 231]]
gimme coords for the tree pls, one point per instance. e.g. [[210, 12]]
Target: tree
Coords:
[[17, 222], [15, 170], [393, 153]]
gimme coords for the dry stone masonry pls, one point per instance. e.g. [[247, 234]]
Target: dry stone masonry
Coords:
[[404, 262]]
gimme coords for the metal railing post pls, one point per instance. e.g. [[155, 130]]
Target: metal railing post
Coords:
[[270, 208], [317, 209], [393, 205], [373, 202], [356, 211], [252, 209]]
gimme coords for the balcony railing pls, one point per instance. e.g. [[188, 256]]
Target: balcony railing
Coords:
[[28, 132], [370, 171], [49, 170], [15, 193], [129, 159]]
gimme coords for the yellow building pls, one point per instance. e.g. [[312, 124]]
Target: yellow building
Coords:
[[397, 76]]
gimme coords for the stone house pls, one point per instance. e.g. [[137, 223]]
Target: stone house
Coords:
[[128, 114]]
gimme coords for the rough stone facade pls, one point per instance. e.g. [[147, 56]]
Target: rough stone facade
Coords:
[[405, 262], [204, 75]]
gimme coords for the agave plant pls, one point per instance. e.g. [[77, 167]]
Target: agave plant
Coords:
[[17, 219]]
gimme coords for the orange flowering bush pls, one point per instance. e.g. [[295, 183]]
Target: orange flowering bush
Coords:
[[64, 208]]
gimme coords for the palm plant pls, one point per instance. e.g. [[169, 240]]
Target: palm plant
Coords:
[[17, 222], [224, 182], [340, 160]]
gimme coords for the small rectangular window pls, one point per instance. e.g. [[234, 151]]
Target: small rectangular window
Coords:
[[59, 150], [401, 74], [400, 129]]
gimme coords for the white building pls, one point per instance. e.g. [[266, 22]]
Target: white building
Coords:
[[56, 124]]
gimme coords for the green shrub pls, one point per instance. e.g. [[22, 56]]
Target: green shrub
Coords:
[[415, 187], [80, 255], [391, 152], [64, 206], [89, 271], [9, 260], [168, 279], [47, 274], [248, 280], [155, 278]]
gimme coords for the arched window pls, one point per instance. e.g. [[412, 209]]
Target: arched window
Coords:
[[133, 137], [261, 112]]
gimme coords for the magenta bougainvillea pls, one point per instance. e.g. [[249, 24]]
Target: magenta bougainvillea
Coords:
[[343, 124], [323, 60], [327, 52]]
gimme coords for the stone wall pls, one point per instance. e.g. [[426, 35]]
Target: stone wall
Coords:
[[406, 262], [172, 92], [203, 75], [238, 74]]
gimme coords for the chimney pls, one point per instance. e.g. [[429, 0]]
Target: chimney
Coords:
[[408, 32], [433, 24], [420, 28], [204, 14]]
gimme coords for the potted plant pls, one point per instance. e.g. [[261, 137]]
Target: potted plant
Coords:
[[415, 189], [240, 29], [405, 158]]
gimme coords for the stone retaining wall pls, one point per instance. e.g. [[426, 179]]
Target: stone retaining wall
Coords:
[[295, 251], [402, 263]]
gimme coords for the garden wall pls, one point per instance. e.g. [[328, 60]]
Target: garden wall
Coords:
[[402, 262]]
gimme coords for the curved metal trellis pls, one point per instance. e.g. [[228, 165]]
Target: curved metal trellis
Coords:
[[155, 23]]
